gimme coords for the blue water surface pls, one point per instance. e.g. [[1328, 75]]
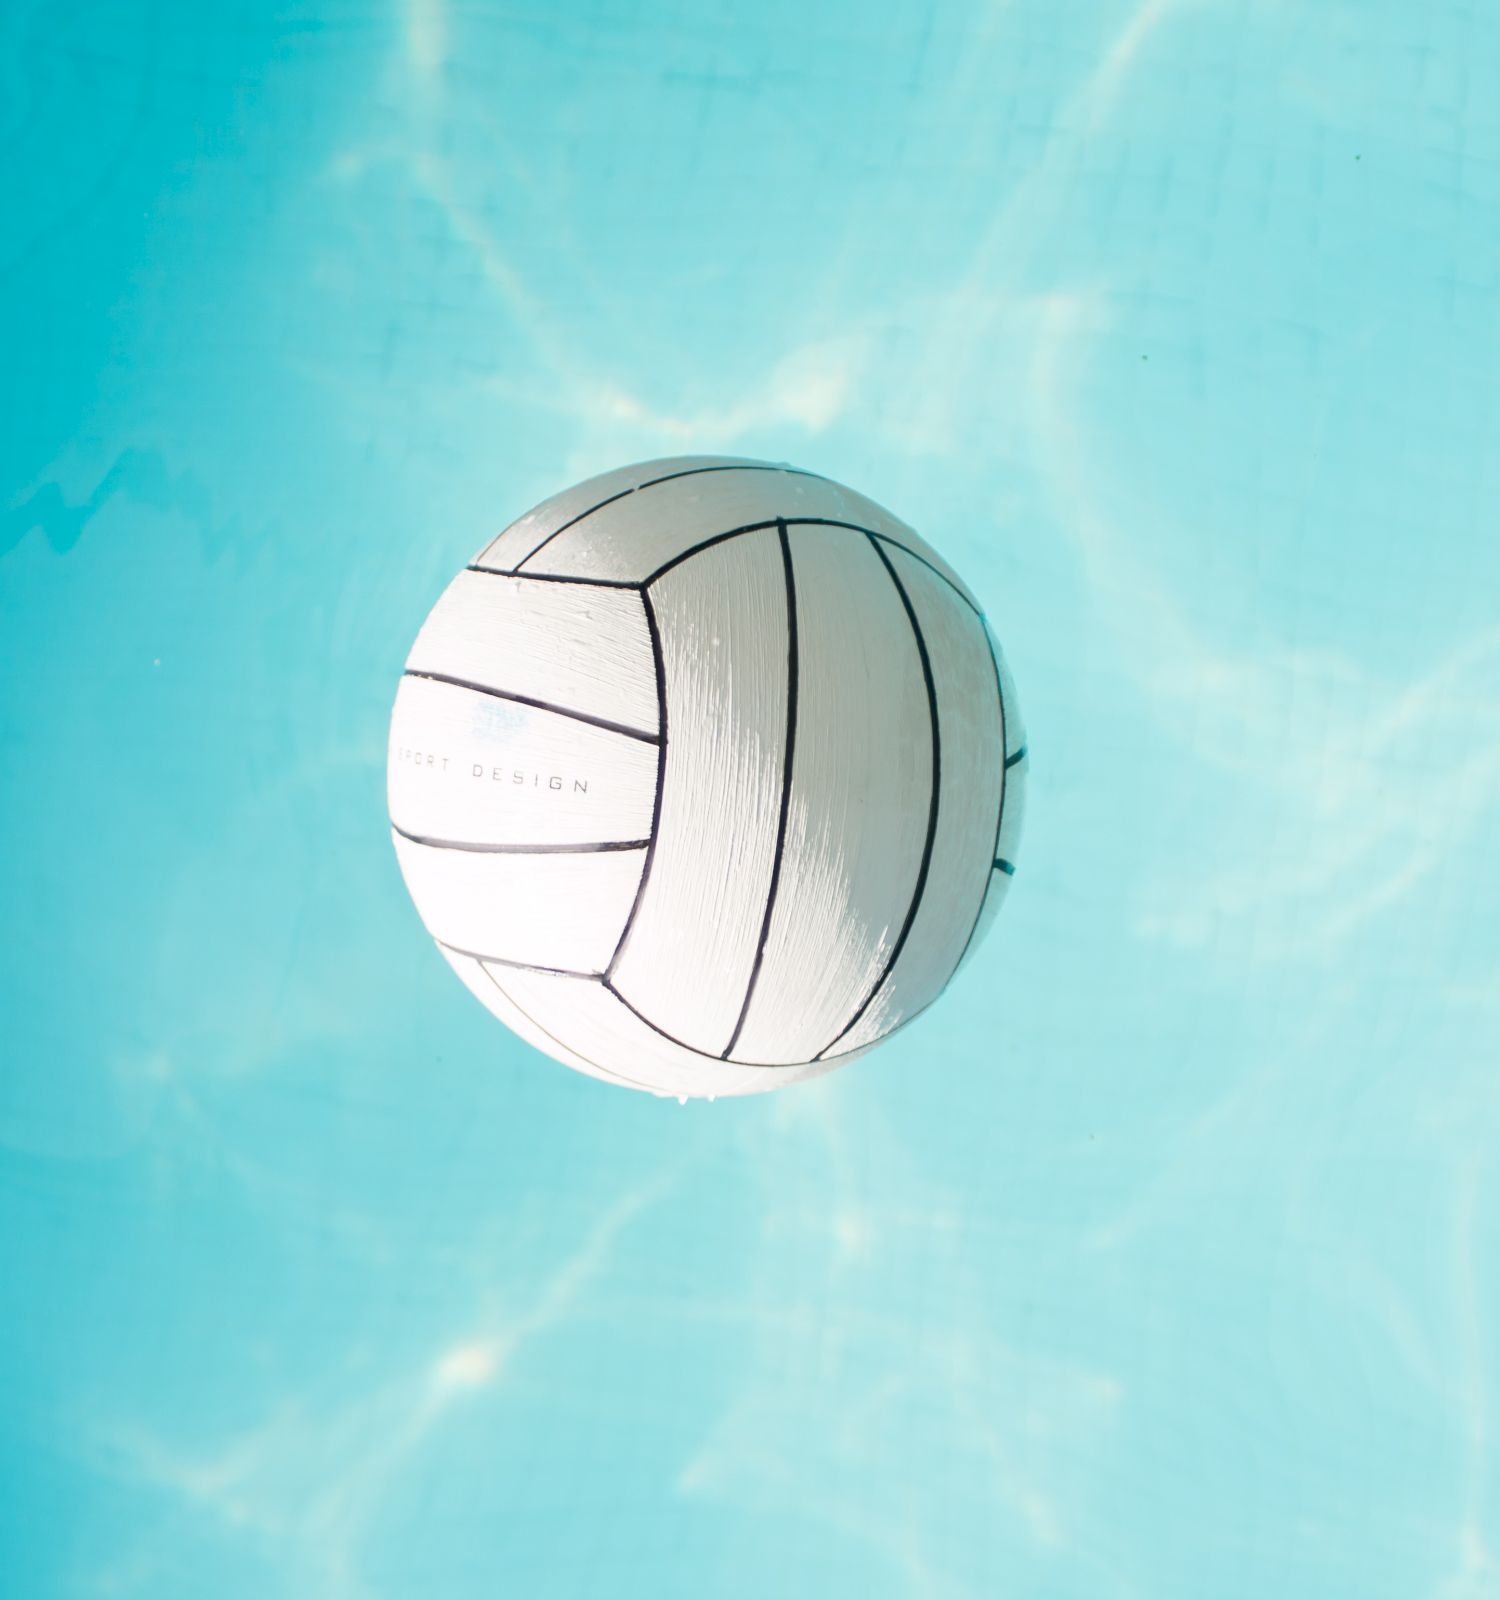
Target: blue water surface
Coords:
[[1159, 1260]]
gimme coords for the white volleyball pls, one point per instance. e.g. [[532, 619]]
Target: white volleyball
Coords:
[[706, 775]]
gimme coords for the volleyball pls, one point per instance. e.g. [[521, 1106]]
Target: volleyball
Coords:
[[706, 775]]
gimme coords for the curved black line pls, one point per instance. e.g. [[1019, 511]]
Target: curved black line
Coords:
[[786, 782], [719, 1061], [604, 1072], [885, 538], [608, 501], [522, 849], [896, 1027], [701, 546], [1007, 867], [661, 774], [651, 483], [537, 705], [932, 809], [552, 577], [811, 522], [520, 966], [1005, 767], [729, 466]]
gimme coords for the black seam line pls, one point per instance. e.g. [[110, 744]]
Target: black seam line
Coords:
[[811, 522], [671, 1038], [538, 705], [1005, 767], [701, 546], [786, 782], [520, 966], [553, 577], [1007, 867], [586, 849], [885, 538], [604, 1072], [932, 808], [568, 524], [896, 1027], [661, 774], [689, 472], [730, 466]]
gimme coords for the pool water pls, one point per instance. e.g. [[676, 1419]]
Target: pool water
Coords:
[[1159, 1259]]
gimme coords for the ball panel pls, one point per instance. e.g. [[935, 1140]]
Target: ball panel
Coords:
[[555, 910], [571, 645], [687, 960], [600, 1027], [470, 768], [861, 786], [970, 742], [523, 536], [486, 989]]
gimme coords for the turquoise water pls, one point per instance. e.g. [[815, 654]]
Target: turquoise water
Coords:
[[1160, 1259]]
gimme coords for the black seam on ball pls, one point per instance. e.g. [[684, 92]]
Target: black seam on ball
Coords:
[[661, 775], [520, 966], [728, 466], [591, 847], [551, 577], [786, 783], [760, 1066], [604, 1072], [701, 546], [571, 522]]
